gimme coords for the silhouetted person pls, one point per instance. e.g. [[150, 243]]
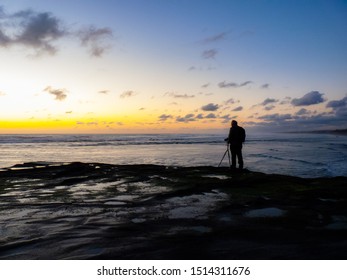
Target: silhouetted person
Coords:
[[237, 136]]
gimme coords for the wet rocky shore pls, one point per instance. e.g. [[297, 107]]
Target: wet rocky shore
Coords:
[[101, 211]]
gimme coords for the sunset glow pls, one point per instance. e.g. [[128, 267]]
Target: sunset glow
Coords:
[[172, 66]]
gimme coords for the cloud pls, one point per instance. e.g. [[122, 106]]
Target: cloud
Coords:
[[226, 118], [231, 101], [95, 39], [335, 104], [269, 108], [92, 123], [311, 98], [302, 122], [245, 83], [304, 119], [276, 117], [210, 107], [269, 101], [342, 112], [40, 31], [175, 95], [339, 107], [34, 30], [128, 93], [60, 94], [209, 54], [202, 68], [265, 86], [233, 85], [237, 109], [104, 91], [227, 85], [205, 85], [2, 93], [164, 117], [186, 118], [303, 111], [4, 40], [215, 38], [286, 100], [211, 116]]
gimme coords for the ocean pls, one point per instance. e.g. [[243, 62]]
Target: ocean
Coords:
[[303, 155]]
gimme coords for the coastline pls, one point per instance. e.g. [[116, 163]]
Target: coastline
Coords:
[[103, 211]]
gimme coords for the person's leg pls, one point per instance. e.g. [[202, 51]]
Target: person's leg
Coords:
[[240, 158], [233, 157]]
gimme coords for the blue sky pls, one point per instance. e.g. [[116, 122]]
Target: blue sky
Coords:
[[172, 66]]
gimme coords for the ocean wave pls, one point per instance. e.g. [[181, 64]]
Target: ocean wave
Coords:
[[286, 159], [110, 140], [301, 157]]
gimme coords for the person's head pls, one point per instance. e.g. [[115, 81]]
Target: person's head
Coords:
[[233, 123]]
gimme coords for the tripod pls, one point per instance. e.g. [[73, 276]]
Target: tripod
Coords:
[[226, 152]]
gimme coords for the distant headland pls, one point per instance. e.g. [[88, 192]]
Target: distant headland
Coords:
[[325, 131]]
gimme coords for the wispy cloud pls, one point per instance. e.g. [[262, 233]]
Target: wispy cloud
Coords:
[[233, 84], [60, 94], [186, 118], [104, 91], [209, 54], [91, 123], [177, 95], [311, 98], [237, 109], [128, 93], [95, 39], [226, 118], [164, 117], [215, 38], [231, 101], [286, 100], [265, 86]]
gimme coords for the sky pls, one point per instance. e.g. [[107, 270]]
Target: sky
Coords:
[[172, 66]]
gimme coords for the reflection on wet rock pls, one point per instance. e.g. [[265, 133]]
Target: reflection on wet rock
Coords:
[[102, 211]]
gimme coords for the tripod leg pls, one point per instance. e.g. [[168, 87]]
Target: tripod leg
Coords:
[[227, 151]]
